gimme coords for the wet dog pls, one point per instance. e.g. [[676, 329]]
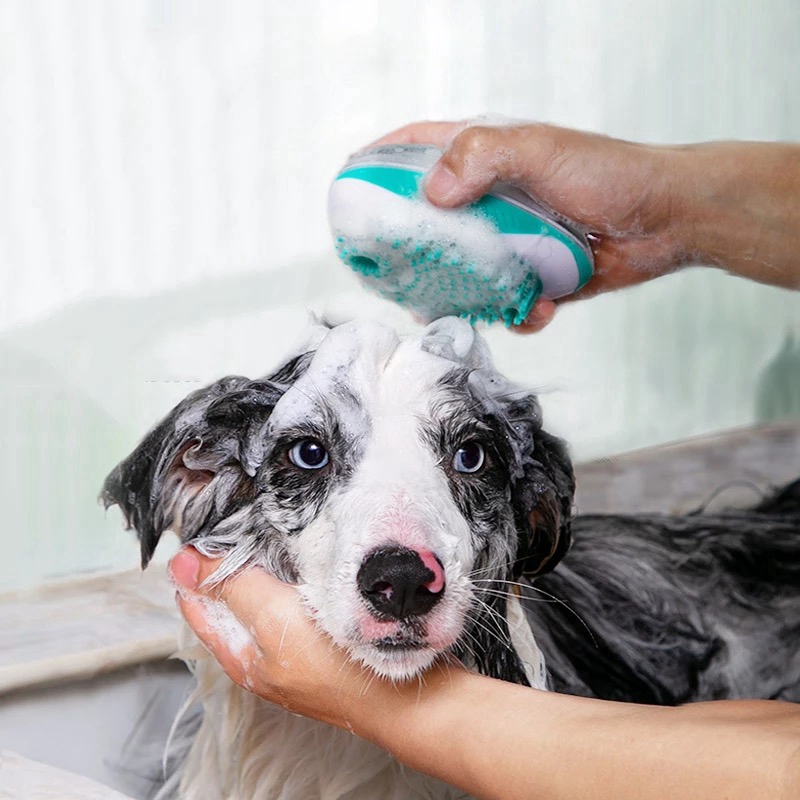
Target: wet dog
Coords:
[[412, 495]]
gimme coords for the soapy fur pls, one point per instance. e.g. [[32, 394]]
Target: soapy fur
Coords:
[[392, 411], [651, 609]]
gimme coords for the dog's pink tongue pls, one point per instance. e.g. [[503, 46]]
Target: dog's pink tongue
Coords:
[[432, 563]]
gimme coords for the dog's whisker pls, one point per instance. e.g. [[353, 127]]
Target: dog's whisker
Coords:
[[506, 595], [370, 679], [283, 638], [551, 598], [468, 632], [466, 642], [489, 568], [497, 634], [515, 584], [421, 684], [492, 614]]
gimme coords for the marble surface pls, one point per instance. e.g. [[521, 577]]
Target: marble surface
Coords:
[[725, 469], [23, 779], [84, 627]]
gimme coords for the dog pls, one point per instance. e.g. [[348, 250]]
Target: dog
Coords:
[[411, 494]]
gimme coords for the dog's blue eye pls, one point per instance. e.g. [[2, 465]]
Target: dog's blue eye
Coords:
[[308, 454], [468, 458]]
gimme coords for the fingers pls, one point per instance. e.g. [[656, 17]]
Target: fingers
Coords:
[[243, 621], [618, 265], [539, 317], [257, 629], [480, 156], [477, 156], [226, 632], [439, 134], [621, 262]]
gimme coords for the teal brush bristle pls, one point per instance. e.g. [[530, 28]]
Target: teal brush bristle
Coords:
[[434, 280]]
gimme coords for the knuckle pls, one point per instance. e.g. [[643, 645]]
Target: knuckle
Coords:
[[476, 140], [473, 156]]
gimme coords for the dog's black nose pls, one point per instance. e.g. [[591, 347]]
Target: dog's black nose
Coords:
[[400, 583]]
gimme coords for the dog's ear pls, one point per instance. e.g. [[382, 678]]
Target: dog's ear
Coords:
[[543, 490], [197, 466]]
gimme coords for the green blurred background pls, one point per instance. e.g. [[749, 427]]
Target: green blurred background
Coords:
[[163, 177]]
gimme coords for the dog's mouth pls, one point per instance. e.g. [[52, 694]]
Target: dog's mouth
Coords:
[[396, 659], [398, 650], [396, 644]]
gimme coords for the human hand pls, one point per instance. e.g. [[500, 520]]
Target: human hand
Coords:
[[256, 627], [260, 632], [622, 193]]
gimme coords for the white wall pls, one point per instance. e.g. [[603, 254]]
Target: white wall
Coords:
[[163, 173]]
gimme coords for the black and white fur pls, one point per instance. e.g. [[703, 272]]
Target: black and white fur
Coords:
[[426, 524]]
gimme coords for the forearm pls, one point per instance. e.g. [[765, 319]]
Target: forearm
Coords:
[[499, 741], [739, 205]]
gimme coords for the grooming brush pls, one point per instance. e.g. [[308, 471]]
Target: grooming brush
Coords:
[[487, 261]]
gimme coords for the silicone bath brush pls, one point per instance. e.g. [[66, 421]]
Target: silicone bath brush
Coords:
[[487, 261]]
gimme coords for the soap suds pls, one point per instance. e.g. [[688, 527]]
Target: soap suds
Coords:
[[347, 362], [226, 626], [437, 262]]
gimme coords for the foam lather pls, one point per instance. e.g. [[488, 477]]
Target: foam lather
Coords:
[[487, 261]]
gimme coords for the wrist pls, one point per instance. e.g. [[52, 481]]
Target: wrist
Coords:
[[710, 215], [680, 201], [412, 706], [414, 722], [737, 207]]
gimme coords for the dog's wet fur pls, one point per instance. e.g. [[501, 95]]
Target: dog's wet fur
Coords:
[[411, 494]]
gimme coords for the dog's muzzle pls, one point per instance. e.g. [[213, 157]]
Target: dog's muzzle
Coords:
[[399, 583]]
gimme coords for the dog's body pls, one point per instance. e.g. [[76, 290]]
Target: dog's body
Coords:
[[677, 609], [410, 493]]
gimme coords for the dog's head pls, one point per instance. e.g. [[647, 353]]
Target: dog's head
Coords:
[[401, 483]]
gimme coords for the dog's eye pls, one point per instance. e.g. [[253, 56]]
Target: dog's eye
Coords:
[[308, 454], [468, 458]]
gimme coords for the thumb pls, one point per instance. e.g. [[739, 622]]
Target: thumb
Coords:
[[480, 156]]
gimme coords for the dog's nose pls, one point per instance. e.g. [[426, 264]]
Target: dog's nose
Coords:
[[400, 583]]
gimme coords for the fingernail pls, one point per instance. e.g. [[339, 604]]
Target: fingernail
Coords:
[[539, 317], [185, 568], [441, 182]]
